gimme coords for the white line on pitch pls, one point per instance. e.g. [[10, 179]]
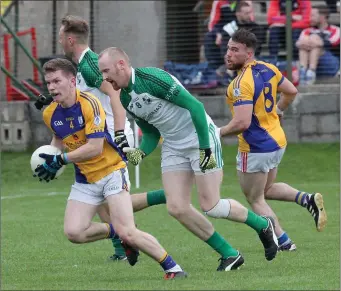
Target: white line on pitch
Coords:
[[32, 195], [299, 185]]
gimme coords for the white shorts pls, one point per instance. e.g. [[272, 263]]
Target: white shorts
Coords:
[[187, 158], [95, 193], [259, 162]]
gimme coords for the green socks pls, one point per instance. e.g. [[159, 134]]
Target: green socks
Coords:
[[156, 197], [119, 250], [258, 223], [220, 245]]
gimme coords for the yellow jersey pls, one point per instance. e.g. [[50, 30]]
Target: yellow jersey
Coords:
[[75, 126], [256, 84]]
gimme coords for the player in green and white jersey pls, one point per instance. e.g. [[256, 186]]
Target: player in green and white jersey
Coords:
[[74, 39], [191, 151]]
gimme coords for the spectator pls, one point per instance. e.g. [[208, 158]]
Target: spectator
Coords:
[[222, 12], [243, 20], [301, 10], [214, 49], [319, 47], [215, 15]]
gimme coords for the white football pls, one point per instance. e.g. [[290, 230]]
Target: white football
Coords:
[[46, 149]]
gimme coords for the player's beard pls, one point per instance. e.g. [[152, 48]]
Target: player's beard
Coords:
[[234, 66], [114, 85]]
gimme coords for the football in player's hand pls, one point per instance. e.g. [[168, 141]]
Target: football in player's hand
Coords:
[[46, 149]]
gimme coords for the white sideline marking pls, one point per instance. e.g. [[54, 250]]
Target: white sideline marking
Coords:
[[298, 185], [32, 195]]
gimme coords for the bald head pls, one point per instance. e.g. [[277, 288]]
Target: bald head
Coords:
[[115, 54], [115, 66]]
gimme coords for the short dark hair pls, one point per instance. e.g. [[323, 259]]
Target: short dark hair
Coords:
[[57, 64], [76, 25], [246, 37], [323, 10], [240, 5]]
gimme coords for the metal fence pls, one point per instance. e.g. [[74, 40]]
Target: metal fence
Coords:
[[175, 35], [187, 32]]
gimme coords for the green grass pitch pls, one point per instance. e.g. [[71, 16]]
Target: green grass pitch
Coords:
[[35, 255]]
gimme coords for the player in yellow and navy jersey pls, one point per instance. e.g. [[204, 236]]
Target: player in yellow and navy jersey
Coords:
[[77, 121], [74, 40], [251, 97], [256, 85], [75, 126]]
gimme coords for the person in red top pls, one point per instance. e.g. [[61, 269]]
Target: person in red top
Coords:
[[216, 12], [222, 12], [233, 16], [276, 19], [319, 47]]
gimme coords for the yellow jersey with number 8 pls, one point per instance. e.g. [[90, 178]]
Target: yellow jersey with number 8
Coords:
[[256, 84]]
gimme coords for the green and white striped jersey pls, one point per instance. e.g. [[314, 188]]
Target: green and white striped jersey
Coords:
[[162, 106], [89, 79]]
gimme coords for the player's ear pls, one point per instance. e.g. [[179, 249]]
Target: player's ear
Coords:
[[73, 81], [250, 53], [120, 64], [70, 40]]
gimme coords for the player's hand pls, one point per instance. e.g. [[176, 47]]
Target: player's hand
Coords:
[[121, 139], [42, 101], [134, 155], [47, 171], [207, 160]]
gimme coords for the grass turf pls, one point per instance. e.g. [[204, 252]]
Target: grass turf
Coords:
[[35, 255]]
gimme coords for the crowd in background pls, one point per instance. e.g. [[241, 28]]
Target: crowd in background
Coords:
[[316, 42]]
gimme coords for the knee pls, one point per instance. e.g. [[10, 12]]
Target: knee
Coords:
[[127, 234], [254, 199], [220, 210], [74, 235], [267, 190], [177, 211]]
